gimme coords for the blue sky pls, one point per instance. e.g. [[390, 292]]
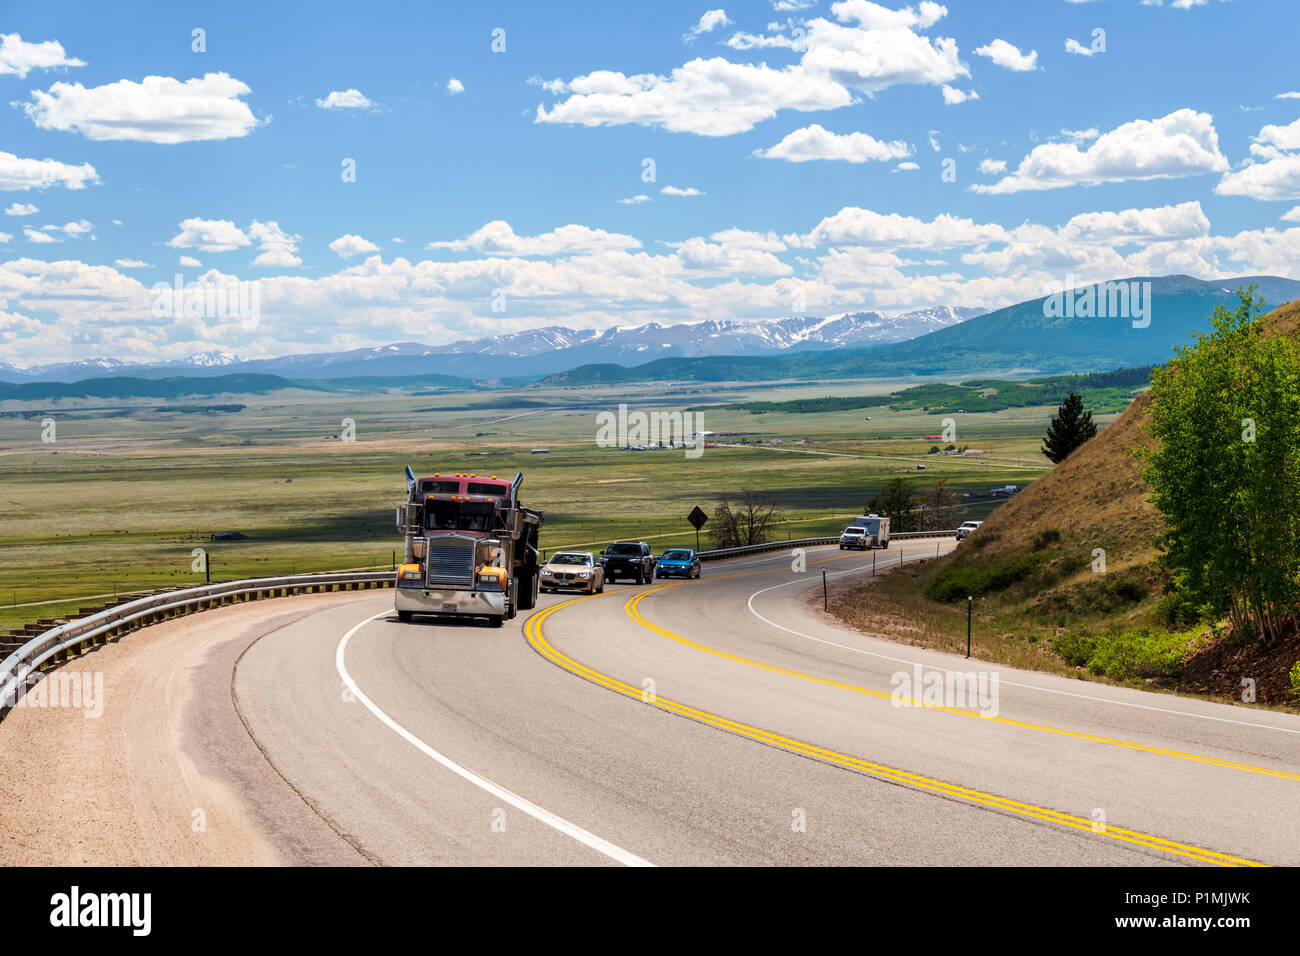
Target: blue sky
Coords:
[[811, 143]]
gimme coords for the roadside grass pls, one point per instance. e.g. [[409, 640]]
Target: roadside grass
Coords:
[[893, 606]]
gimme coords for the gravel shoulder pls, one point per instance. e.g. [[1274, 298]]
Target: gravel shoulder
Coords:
[[166, 774]]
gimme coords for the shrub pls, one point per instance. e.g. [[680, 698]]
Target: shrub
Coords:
[[1072, 562], [1125, 654], [1075, 647], [1175, 611], [1295, 680], [1126, 588], [1045, 537], [956, 581]]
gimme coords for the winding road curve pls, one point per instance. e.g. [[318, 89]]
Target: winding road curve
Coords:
[[720, 721]]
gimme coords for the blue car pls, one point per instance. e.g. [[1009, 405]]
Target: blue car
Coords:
[[682, 562]]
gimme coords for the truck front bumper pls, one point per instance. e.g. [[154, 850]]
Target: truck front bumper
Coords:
[[441, 601]]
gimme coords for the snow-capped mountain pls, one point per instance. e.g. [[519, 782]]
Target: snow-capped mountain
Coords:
[[100, 367], [542, 351]]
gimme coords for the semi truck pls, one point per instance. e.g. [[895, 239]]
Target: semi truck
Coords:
[[471, 548]]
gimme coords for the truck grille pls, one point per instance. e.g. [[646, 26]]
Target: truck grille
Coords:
[[451, 563]]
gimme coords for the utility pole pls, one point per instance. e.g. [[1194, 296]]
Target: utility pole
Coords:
[[825, 597]]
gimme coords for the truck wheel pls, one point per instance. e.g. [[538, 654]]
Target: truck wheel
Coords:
[[640, 577], [497, 620], [526, 590], [405, 616]]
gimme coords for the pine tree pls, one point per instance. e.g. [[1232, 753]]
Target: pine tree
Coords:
[[897, 502], [1070, 427]]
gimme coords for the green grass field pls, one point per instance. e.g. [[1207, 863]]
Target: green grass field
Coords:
[[120, 499]]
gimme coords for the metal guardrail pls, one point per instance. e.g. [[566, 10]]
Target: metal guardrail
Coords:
[[18, 666], [721, 553]]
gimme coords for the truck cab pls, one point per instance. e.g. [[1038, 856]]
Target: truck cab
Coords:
[[471, 548]]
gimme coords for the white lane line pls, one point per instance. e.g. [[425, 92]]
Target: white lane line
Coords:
[[584, 837], [1006, 683]]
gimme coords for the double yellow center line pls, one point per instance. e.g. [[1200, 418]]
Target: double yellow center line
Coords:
[[537, 639]]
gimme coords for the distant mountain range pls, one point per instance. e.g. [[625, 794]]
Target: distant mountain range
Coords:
[[536, 352], [1039, 335]]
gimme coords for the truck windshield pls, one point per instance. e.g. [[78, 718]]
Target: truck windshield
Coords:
[[458, 515], [624, 549], [434, 486], [677, 555]]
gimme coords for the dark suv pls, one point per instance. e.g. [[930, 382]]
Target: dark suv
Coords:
[[628, 559]]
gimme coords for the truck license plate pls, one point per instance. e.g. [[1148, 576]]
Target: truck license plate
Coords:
[[449, 607]]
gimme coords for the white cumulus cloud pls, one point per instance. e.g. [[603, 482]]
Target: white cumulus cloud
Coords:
[[158, 109], [952, 96], [278, 248], [17, 173], [815, 142], [1008, 56], [210, 235], [853, 226], [1184, 143], [870, 49], [350, 245], [18, 57], [710, 21], [348, 99], [498, 238]]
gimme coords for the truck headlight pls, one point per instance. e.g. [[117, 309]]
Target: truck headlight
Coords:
[[491, 579], [584, 574]]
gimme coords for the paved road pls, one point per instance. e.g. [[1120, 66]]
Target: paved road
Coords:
[[726, 721]]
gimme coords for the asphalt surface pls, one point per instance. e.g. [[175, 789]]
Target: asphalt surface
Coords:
[[719, 721]]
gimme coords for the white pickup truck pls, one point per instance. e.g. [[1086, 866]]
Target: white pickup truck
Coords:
[[966, 528], [854, 537]]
